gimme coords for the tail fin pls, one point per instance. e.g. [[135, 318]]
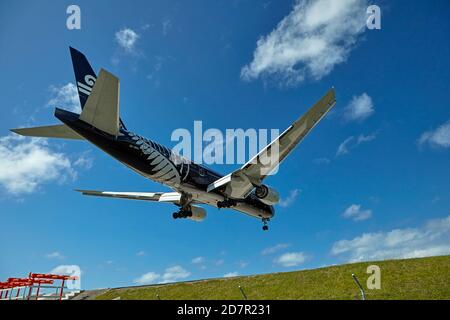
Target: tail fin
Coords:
[[85, 77], [99, 101], [102, 107]]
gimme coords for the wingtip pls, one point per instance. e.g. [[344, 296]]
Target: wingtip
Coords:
[[333, 92], [84, 191]]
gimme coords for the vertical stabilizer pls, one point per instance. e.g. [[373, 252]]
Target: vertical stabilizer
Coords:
[[102, 107], [84, 75]]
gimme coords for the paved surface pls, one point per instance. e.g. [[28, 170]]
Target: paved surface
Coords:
[[89, 294]]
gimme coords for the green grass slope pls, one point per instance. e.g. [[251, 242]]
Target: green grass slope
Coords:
[[424, 278]]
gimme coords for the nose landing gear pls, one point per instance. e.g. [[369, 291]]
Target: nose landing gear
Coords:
[[265, 226]]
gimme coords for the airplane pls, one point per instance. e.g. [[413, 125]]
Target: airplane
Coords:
[[192, 184]]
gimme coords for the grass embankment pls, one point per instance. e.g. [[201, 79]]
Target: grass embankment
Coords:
[[424, 278]]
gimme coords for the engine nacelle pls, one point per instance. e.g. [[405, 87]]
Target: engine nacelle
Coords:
[[198, 214], [267, 195]]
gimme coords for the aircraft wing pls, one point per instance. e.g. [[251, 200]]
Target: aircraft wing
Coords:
[[173, 197], [240, 182]]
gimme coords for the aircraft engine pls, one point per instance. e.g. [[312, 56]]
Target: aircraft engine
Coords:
[[267, 195], [198, 214]]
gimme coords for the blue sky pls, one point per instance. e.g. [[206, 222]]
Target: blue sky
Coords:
[[370, 182]]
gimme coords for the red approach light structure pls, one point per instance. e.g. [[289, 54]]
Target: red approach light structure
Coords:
[[34, 280]]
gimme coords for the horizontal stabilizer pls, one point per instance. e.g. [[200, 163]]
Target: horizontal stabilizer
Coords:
[[56, 131], [102, 107]]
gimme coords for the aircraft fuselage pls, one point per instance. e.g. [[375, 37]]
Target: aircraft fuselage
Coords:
[[162, 165]]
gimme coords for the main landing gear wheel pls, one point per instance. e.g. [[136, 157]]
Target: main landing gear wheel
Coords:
[[182, 214], [227, 203]]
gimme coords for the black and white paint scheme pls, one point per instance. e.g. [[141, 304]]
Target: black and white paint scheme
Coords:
[[192, 185]]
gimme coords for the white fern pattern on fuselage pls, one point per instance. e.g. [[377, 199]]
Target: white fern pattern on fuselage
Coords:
[[163, 170]]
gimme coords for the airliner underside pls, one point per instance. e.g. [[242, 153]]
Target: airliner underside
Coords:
[[192, 184]]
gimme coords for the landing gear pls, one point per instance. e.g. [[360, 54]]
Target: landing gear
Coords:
[[182, 214], [185, 207], [227, 203], [265, 226]]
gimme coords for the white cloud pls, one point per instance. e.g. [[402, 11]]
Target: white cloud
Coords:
[[127, 38], [436, 199], [174, 273], [352, 143], [231, 274], [320, 161], [439, 137], [362, 138], [309, 42], [154, 75], [69, 270], [291, 259], [355, 213], [360, 108], [146, 26], [275, 248], [219, 262], [25, 164], [344, 146], [147, 278], [84, 161], [290, 199], [66, 270], [140, 253], [430, 240], [54, 255], [171, 274], [242, 264], [198, 260], [166, 26], [65, 97]]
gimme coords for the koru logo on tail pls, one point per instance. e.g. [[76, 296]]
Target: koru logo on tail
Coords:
[[86, 87]]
